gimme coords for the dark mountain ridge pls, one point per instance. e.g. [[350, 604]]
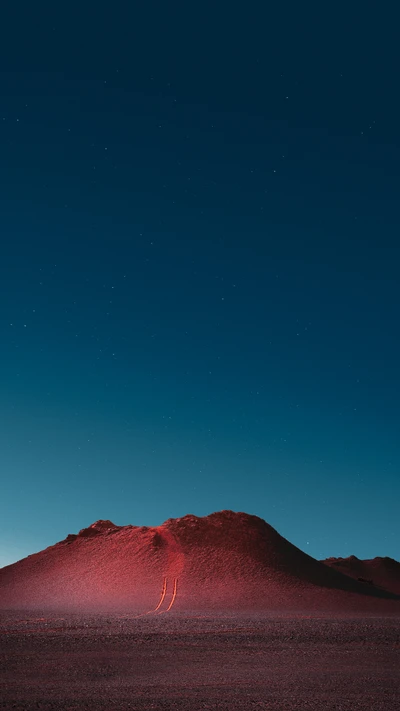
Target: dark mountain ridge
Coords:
[[382, 572]]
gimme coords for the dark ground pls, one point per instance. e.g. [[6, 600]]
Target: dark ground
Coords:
[[279, 663]]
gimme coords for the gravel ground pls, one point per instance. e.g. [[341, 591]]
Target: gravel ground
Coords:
[[279, 663]]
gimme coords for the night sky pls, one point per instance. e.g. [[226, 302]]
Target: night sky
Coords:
[[199, 271]]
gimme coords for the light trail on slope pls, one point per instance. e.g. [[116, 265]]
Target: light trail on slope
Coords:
[[174, 567], [163, 594], [175, 563], [174, 592]]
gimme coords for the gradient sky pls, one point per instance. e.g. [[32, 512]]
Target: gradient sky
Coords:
[[199, 272]]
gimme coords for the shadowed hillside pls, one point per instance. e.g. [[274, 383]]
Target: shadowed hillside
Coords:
[[380, 572], [224, 561]]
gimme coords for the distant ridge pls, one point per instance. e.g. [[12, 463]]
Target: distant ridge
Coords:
[[224, 561], [381, 572]]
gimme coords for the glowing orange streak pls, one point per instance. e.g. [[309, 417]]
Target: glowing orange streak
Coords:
[[163, 594], [173, 594]]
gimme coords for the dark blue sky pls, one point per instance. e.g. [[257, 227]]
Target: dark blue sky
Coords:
[[199, 272]]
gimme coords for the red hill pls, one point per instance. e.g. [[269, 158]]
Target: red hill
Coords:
[[224, 561]]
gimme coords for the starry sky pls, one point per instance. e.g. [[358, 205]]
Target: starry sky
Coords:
[[199, 271]]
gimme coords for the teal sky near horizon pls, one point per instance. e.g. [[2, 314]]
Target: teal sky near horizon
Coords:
[[199, 274]]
